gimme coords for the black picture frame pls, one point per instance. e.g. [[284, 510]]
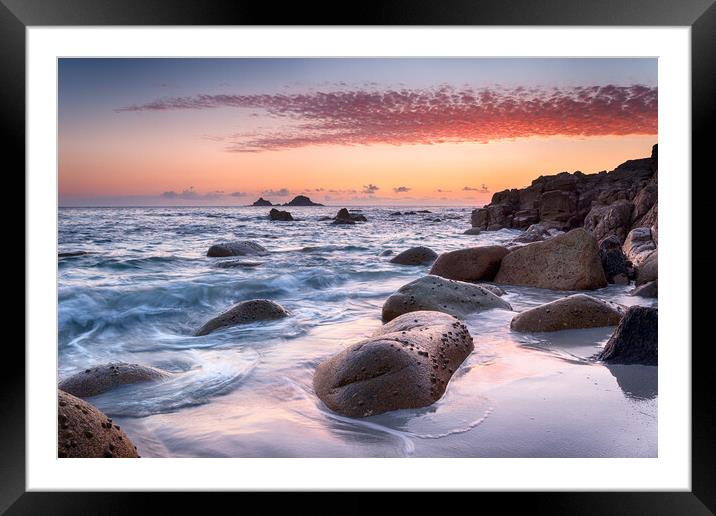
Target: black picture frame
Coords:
[[700, 15]]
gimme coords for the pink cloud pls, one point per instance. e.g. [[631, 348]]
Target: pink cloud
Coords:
[[432, 116]]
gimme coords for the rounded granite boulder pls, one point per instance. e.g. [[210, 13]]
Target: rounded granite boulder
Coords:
[[456, 298], [407, 363], [565, 262], [96, 380], [415, 256], [571, 312], [635, 340], [84, 431], [244, 312], [472, 264]]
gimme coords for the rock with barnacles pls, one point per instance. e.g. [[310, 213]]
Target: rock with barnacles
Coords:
[[84, 431], [407, 363], [99, 379], [244, 312]]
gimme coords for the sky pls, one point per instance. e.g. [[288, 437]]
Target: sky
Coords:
[[359, 131]]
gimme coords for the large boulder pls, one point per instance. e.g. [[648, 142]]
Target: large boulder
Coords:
[[604, 221], [571, 312], [472, 264], [565, 262], [238, 248], [648, 270], [616, 267], [275, 214], [244, 312], [346, 217], [635, 341], [96, 380], [406, 364], [638, 245], [415, 256], [84, 431], [441, 295]]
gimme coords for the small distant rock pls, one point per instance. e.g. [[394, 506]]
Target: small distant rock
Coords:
[[244, 312], [71, 254], [346, 217], [84, 431], [472, 264], [572, 312], [635, 341], [231, 264], [99, 379], [565, 262], [648, 290], [534, 233], [472, 231], [387, 252], [415, 256], [396, 213], [275, 214], [424, 211], [239, 248], [434, 293], [262, 202], [302, 200], [406, 364]]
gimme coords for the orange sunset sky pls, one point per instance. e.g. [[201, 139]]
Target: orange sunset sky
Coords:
[[437, 131]]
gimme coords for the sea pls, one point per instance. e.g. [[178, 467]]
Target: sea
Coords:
[[145, 285]]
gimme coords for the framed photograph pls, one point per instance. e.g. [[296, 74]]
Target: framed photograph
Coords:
[[416, 250]]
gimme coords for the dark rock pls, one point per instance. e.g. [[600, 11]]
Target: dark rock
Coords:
[[571, 312], [434, 293], [472, 231], [97, 380], [231, 264], [565, 199], [83, 431], [534, 233], [387, 252], [472, 264], [275, 214], [635, 341], [346, 217], [262, 202], [407, 363], [565, 262], [302, 200], [244, 312], [71, 254], [415, 256], [605, 221], [614, 262], [239, 248]]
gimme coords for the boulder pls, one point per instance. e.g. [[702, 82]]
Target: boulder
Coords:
[[244, 312], [415, 256], [275, 214], [648, 270], [438, 294], [605, 221], [472, 231], [635, 341], [472, 264], [643, 203], [649, 290], [571, 312], [406, 364], [616, 267], [238, 248], [84, 431], [96, 380], [566, 262], [638, 245]]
